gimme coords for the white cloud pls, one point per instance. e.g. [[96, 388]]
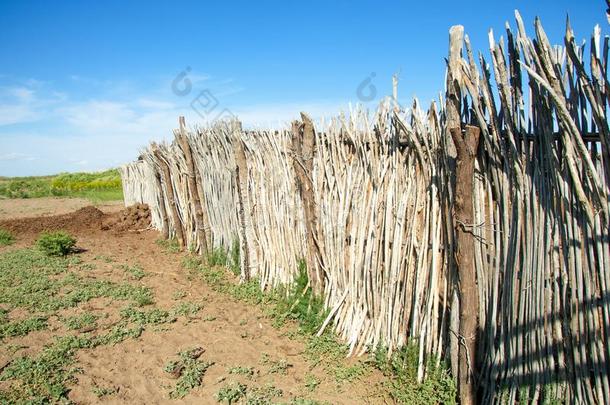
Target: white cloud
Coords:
[[61, 131]]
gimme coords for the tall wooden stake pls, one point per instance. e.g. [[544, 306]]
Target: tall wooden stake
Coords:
[[169, 190], [466, 148], [303, 147], [241, 177], [192, 183]]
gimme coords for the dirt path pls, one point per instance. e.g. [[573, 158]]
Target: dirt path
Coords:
[[244, 347]]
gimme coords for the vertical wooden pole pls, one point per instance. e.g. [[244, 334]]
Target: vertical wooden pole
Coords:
[[169, 189], [466, 148], [165, 226], [182, 139], [303, 148], [241, 177]]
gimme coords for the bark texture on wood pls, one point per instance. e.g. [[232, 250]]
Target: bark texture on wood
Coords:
[[466, 146], [163, 211], [303, 149], [171, 198], [241, 177], [182, 139]]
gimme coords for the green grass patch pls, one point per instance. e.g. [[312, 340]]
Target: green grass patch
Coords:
[[136, 271], [153, 316], [186, 309], [169, 245], [401, 369], [6, 238], [22, 327], [42, 285], [39, 283], [86, 320], [101, 186], [44, 378]]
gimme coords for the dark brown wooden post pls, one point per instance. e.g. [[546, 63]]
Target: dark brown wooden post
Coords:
[[466, 147], [183, 141], [169, 190], [303, 148]]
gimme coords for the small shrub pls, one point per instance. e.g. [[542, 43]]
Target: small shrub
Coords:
[[55, 243], [6, 238]]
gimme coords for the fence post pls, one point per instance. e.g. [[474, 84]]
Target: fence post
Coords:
[[466, 147], [169, 189], [161, 199], [303, 148], [241, 177], [182, 139]]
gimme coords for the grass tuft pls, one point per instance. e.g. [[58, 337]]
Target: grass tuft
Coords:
[[401, 369], [6, 238]]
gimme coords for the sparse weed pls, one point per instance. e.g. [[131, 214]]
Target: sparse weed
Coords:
[[6, 238], [169, 245], [311, 382], [401, 369], [231, 393], [217, 257], [86, 320], [240, 370], [153, 316], [22, 327], [42, 379], [101, 392], [186, 309], [136, 271], [263, 395], [190, 371], [178, 295]]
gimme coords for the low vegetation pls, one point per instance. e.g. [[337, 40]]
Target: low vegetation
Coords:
[[297, 304], [401, 370], [38, 287], [6, 238], [100, 186], [56, 243], [189, 370]]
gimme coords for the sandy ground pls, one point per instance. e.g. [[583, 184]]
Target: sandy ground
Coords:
[[34, 207], [232, 333]]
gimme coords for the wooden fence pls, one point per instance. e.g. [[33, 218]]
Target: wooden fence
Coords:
[[368, 202]]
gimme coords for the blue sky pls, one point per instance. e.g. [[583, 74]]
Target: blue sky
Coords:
[[84, 85]]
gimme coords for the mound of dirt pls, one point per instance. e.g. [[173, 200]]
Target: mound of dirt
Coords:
[[84, 219], [133, 218]]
